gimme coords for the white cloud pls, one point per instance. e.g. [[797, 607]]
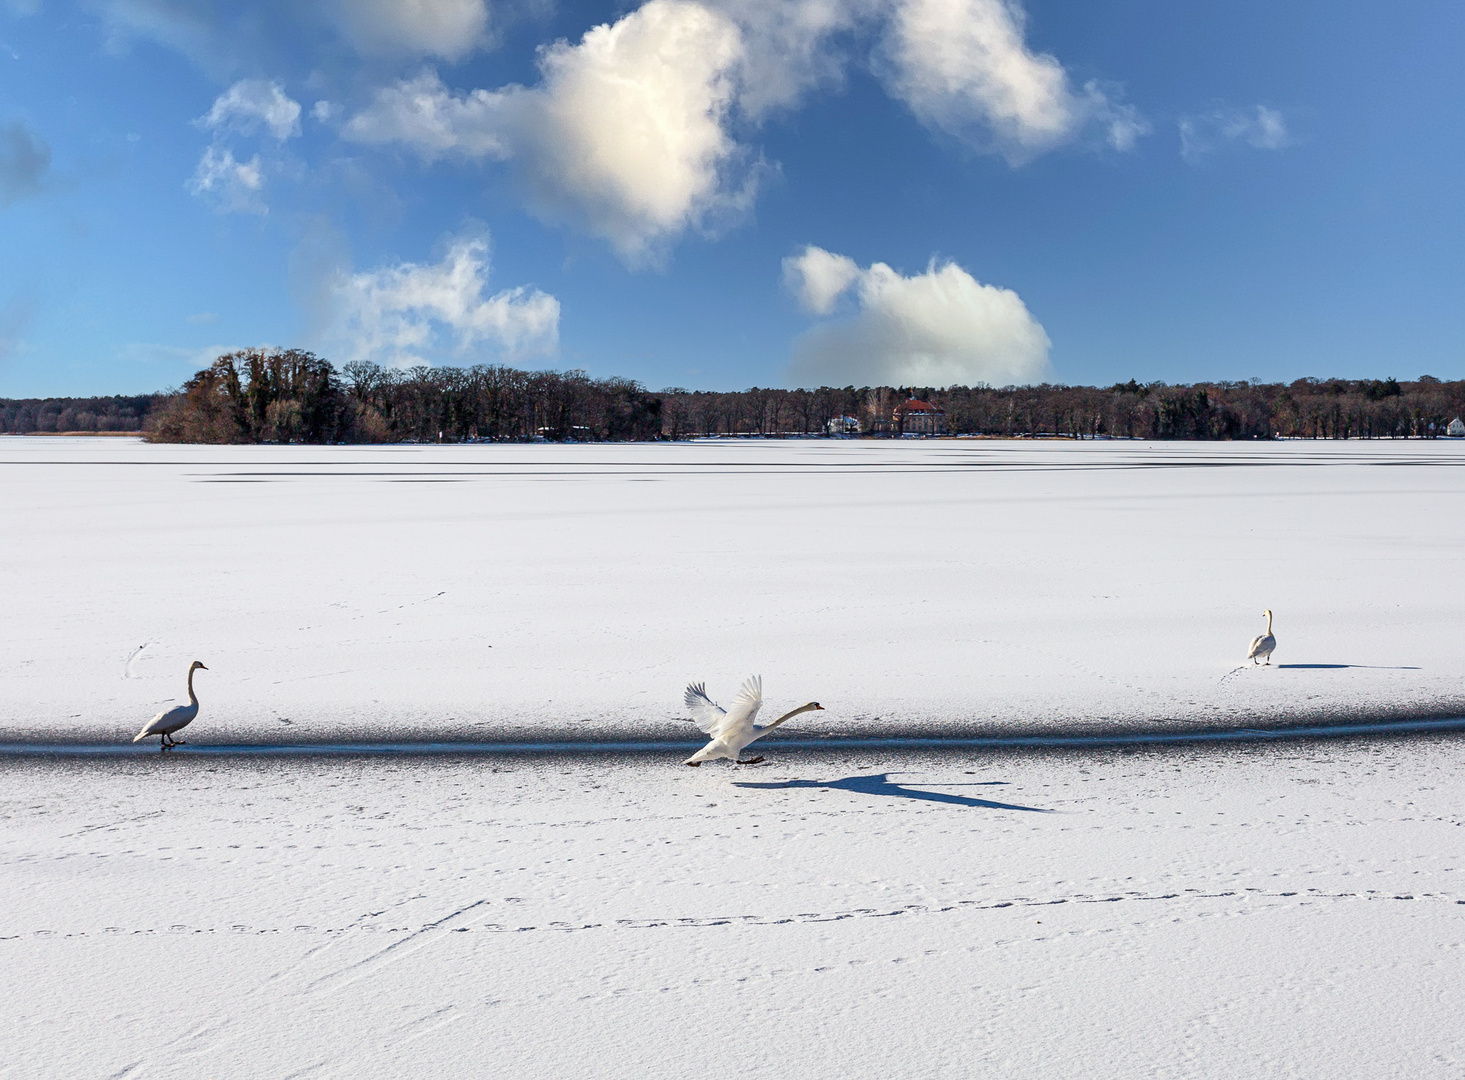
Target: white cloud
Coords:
[[412, 313], [629, 134], [625, 137], [787, 47], [250, 104], [1267, 132], [450, 29], [1264, 129], [325, 111], [964, 67], [818, 277], [232, 186], [422, 114], [938, 328], [210, 36]]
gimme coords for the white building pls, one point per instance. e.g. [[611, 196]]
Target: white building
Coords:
[[1456, 430], [842, 425]]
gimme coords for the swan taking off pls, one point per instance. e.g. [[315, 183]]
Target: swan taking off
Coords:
[[1263, 644], [171, 720], [732, 729]]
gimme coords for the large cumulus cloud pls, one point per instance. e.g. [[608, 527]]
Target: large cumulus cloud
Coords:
[[937, 328], [623, 137], [637, 132]]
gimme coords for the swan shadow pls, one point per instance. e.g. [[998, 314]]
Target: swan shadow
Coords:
[[1336, 667], [880, 784]]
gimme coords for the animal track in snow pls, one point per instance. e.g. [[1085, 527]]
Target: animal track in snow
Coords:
[[695, 921]]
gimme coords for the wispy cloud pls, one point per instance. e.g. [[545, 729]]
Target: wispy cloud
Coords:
[[232, 186], [223, 39], [937, 328], [252, 104], [414, 313], [249, 107], [1204, 134], [450, 29]]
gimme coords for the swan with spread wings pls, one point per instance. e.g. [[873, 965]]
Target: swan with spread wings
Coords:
[[731, 730]]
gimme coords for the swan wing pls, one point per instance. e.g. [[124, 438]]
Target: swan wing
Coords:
[[1260, 644], [743, 710], [151, 727], [156, 726], [706, 713], [168, 721]]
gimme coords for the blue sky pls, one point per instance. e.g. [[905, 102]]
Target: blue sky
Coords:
[[728, 193]]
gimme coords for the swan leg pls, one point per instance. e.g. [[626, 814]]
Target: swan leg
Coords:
[[694, 764], [750, 761]]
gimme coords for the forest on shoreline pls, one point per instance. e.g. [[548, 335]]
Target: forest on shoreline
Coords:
[[284, 396]]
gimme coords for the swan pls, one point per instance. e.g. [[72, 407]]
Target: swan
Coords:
[[733, 729], [1263, 644], [174, 719]]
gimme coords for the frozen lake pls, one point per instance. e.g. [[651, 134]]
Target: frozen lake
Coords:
[[506, 591], [1289, 909]]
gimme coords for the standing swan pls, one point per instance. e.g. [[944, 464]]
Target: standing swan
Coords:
[[732, 730], [174, 719], [1263, 644]]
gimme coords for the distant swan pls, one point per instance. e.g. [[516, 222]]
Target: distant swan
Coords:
[[732, 729], [174, 719], [1263, 644]]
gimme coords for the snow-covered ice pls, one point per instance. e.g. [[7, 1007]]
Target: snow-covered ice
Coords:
[[1281, 911], [479, 591], [1289, 909]]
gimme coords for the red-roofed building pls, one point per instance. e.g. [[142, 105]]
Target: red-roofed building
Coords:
[[916, 417]]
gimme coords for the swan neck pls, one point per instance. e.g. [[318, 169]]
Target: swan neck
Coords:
[[1269, 624], [192, 700], [791, 715]]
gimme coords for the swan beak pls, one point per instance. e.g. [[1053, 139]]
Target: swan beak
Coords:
[[818, 706], [202, 667]]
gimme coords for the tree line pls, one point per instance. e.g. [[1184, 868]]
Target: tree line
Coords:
[[283, 396], [258, 395], [1306, 408], [29, 416]]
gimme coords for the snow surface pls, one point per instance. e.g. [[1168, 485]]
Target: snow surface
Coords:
[[1272, 911], [1285, 909], [488, 591]]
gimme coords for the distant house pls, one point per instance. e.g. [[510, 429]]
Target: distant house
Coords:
[[842, 425], [1456, 430], [916, 417]]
